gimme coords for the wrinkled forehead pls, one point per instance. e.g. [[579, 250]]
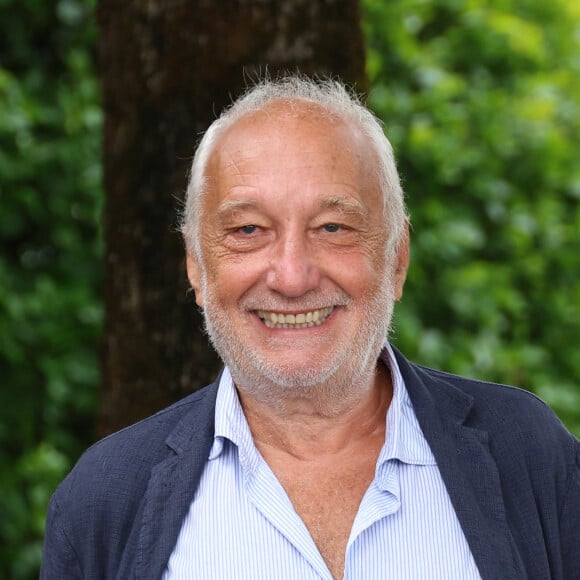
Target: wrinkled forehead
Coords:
[[288, 123]]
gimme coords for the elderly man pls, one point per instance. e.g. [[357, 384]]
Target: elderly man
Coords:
[[320, 452]]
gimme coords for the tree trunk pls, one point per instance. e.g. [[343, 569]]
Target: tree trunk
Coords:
[[168, 68]]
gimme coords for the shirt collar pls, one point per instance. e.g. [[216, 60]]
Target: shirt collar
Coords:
[[230, 421], [404, 439]]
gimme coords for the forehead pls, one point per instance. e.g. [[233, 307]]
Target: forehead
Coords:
[[289, 145], [284, 123]]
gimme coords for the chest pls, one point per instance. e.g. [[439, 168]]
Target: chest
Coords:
[[327, 501], [246, 528]]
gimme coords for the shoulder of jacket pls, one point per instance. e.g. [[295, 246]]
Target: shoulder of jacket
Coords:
[[127, 456], [510, 414]]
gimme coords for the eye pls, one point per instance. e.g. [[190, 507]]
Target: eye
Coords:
[[331, 228], [249, 229]]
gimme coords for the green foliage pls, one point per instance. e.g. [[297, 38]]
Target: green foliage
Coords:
[[482, 103], [50, 312]]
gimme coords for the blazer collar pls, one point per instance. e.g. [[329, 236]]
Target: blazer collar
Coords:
[[172, 485], [446, 415]]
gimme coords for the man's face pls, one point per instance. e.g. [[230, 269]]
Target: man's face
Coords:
[[293, 279]]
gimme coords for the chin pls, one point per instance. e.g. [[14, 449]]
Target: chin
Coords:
[[279, 374]]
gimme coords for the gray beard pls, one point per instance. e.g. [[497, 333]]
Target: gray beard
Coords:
[[331, 385]]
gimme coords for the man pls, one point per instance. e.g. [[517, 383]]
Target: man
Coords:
[[320, 452]]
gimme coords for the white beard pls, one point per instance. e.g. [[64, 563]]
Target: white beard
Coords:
[[332, 382]]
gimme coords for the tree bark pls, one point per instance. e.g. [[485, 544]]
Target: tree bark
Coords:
[[168, 68]]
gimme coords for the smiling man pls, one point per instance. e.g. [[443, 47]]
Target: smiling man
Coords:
[[320, 452]]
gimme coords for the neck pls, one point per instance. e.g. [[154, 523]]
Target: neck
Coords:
[[308, 426]]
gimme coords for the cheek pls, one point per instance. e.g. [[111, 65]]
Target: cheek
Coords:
[[359, 276], [231, 279]]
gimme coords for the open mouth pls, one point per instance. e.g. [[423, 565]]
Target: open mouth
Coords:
[[302, 320]]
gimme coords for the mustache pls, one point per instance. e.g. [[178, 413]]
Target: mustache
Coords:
[[307, 302]]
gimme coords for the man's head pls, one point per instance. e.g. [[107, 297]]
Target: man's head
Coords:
[[296, 235]]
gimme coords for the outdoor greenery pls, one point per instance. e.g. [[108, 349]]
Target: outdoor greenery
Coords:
[[482, 104], [50, 261]]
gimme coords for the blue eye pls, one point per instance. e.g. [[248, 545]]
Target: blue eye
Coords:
[[331, 228], [250, 229]]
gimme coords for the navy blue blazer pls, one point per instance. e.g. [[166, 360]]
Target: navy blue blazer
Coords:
[[510, 467]]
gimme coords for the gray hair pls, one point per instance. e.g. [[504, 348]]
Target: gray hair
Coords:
[[337, 100]]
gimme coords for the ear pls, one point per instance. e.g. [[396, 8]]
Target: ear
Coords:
[[194, 276], [401, 264]]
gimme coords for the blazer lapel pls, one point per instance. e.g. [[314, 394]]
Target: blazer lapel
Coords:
[[468, 469], [172, 486]]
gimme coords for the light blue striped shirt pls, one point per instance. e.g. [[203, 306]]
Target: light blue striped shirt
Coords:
[[242, 525]]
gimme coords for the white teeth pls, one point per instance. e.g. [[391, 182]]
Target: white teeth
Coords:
[[302, 320]]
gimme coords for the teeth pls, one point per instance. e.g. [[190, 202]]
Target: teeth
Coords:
[[302, 320]]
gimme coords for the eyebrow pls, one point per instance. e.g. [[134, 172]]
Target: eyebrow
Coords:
[[235, 205], [344, 205], [337, 202]]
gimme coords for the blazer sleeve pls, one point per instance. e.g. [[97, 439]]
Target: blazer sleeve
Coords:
[[60, 561], [570, 523]]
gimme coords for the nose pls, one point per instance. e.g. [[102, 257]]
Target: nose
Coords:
[[292, 270]]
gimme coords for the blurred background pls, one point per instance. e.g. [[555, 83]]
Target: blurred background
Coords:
[[481, 100]]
